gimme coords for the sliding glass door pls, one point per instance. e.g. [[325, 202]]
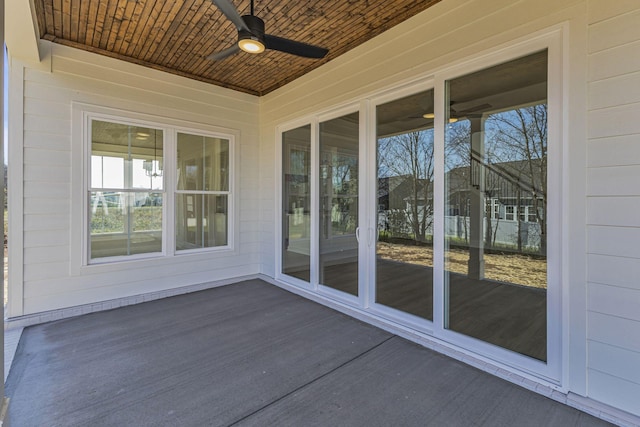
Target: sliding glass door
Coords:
[[296, 203], [496, 205], [404, 199], [445, 228], [338, 208]]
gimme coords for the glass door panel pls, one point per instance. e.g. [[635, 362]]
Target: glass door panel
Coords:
[[296, 201], [496, 205], [404, 249], [338, 216]]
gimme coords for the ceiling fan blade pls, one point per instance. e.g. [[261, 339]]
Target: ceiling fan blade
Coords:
[[294, 48], [229, 10], [219, 56]]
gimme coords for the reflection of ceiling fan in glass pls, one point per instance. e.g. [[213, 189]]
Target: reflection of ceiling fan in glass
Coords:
[[455, 115], [252, 38], [153, 168]]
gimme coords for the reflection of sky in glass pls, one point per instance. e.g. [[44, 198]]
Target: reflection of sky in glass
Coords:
[[109, 172]]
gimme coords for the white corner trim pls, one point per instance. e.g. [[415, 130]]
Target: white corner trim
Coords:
[[15, 178], [21, 30]]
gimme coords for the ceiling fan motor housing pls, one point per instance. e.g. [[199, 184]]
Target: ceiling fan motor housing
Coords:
[[256, 28]]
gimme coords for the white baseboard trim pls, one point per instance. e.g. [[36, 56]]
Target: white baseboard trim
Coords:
[[603, 411], [65, 313]]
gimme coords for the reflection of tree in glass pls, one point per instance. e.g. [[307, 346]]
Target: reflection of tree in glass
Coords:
[[339, 173], [514, 172], [517, 141], [406, 161]]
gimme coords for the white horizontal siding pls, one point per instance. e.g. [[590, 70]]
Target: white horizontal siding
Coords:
[[613, 151], [51, 221], [615, 91], [613, 180], [614, 121], [615, 391], [614, 270], [45, 271], [614, 360], [616, 61], [613, 174], [616, 211], [613, 241], [614, 301], [46, 140], [600, 10], [49, 281], [615, 331], [615, 31]]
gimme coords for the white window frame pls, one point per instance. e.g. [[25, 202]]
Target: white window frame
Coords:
[[82, 115], [87, 140], [229, 192]]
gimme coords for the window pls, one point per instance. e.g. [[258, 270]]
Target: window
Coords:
[[202, 194], [129, 213], [510, 216], [126, 190]]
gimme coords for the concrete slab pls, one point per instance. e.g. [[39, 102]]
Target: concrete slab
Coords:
[[399, 383], [251, 354]]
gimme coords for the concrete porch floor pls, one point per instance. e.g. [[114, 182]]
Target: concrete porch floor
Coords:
[[253, 354]]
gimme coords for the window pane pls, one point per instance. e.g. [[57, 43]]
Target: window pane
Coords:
[[125, 156], [404, 251], [123, 223], [339, 147], [296, 200], [496, 161], [201, 221], [203, 163]]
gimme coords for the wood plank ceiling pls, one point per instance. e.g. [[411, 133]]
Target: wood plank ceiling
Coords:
[[177, 35]]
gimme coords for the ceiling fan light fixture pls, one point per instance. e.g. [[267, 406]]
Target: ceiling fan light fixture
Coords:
[[251, 44]]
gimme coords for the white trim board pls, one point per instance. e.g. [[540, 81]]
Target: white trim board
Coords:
[[65, 313]]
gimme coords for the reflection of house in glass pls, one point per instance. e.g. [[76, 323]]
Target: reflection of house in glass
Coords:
[[405, 207], [514, 200]]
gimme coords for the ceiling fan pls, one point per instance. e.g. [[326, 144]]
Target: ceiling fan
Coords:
[[252, 38]]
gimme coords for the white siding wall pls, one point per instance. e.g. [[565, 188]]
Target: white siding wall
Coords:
[[613, 204], [48, 280]]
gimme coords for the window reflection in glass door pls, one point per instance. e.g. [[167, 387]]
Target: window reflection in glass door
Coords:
[[296, 201], [338, 219]]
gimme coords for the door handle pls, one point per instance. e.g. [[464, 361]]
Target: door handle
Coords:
[[358, 234]]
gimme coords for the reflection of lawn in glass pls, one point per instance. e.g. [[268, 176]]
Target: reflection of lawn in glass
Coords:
[[510, 268], [299, 229], [145, 218]]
